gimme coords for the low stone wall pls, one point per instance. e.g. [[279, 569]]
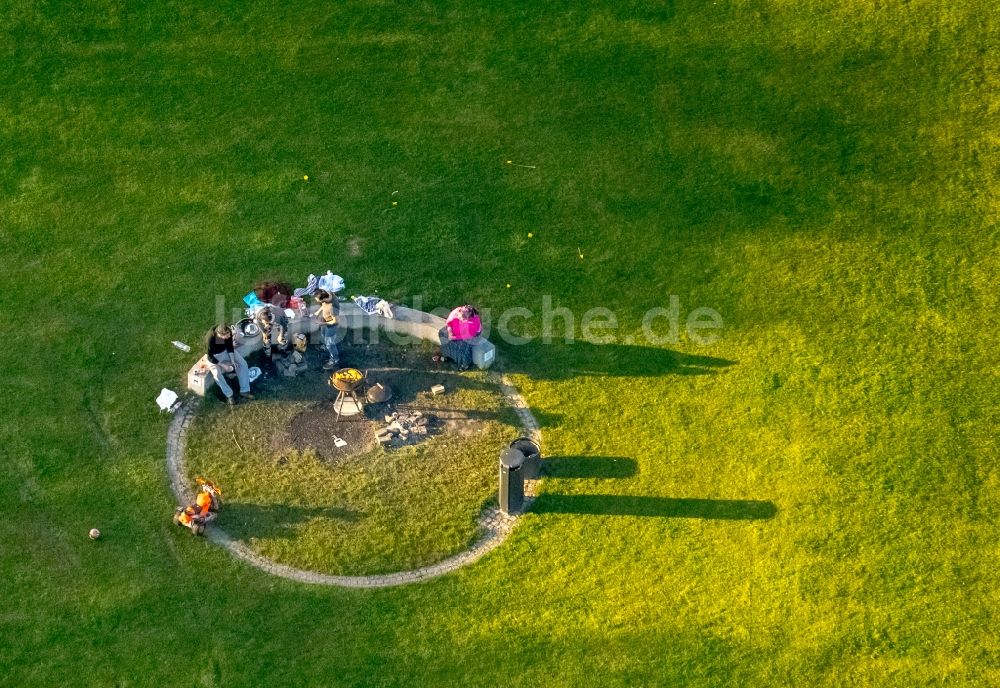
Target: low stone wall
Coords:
[[408, 322]]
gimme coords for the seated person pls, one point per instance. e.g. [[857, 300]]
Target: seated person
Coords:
[[273, 326], [206, 505], [223, 358], [462, 326]]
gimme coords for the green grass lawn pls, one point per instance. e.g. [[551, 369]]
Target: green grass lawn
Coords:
[[823, 174]]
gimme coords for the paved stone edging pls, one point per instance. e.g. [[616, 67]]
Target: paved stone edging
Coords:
[[495, 524]]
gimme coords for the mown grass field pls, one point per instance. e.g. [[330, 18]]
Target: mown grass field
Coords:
[[823, 174]]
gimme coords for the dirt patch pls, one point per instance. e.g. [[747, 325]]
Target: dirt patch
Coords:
[[354, 246], [464, 410], [315, 429], [459, 422]]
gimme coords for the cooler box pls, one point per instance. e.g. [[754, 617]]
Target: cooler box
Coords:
[[199, 379], [483, 353]]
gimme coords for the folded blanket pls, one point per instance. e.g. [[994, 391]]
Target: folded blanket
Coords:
[[312, 284], [374, 305]]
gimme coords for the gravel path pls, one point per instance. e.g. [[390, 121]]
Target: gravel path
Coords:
[[495, 524]]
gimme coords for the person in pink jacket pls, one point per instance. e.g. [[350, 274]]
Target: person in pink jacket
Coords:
[[462, 326]]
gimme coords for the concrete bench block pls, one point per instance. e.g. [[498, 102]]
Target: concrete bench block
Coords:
[[199, 377], [407, 321]]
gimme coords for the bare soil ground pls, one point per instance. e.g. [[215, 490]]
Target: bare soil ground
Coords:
[[407, 371]]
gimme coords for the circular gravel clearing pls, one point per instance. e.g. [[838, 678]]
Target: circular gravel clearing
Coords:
[[496, 526]]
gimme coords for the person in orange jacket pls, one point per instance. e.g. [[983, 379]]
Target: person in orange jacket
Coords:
[[188, 517], [206, 504]]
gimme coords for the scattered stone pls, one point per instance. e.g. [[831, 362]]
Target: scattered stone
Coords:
[[287, 367], [404, 427]]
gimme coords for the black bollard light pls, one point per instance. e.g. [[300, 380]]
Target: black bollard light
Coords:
[[511, 480]]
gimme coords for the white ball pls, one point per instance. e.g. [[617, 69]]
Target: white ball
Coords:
[[94, 533]]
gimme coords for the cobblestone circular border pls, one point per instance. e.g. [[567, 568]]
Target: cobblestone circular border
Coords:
[[495, 524]]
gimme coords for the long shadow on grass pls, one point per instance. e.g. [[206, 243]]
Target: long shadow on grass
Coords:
[[273, 521], [661, 507], [559, 361], [599, 467]]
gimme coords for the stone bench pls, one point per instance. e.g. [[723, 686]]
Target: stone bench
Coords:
[[408, 323]]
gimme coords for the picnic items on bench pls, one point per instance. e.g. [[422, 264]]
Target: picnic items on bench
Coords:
[[312, 284], [374, 305], [269, 292], [331, 283]]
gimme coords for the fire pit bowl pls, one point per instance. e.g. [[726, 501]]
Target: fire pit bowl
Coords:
[[347, 379], [247, 328], [378, 393]]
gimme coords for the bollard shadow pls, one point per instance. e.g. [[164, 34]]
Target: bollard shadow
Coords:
[[597, 467], [273, 521], [660, 507], [560, 360]]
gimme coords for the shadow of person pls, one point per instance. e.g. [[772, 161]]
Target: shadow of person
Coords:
[[589, 467], [407, 382], [562, 360], [271, 521], [660, 507]]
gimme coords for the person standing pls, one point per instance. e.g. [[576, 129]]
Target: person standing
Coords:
[[328, 314], [273, 328], [223, 358]]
